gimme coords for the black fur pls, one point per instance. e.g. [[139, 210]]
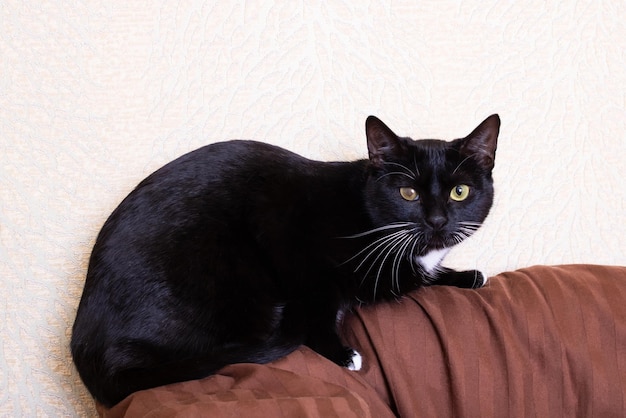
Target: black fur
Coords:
[[241, 251]]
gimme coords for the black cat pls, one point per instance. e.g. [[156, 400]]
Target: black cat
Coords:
[[241, 251]]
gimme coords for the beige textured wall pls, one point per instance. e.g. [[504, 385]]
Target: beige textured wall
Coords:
[[94, 95]]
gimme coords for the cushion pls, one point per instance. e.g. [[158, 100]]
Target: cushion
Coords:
[[541, 341]]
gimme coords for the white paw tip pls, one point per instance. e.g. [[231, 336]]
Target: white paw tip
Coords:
[[357, 361], [485, 278]]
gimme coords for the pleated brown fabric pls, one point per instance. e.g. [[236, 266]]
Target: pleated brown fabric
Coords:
[[303, 384], [537, 342]]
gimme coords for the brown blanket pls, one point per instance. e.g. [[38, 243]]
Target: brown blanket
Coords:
[[542, 342]]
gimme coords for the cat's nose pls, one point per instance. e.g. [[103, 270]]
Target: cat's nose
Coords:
[[437, 221]]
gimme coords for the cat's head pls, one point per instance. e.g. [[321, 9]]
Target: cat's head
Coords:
[[442, 190]]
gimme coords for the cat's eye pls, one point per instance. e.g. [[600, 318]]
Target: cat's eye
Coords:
[[460, 192], [408, 193]]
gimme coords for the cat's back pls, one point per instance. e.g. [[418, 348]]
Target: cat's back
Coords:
[[229, 158], [205, 177], [200, 191], [183, 217]]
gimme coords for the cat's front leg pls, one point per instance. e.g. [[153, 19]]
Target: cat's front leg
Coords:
[[323, 338], [469, 279], [313, 321]]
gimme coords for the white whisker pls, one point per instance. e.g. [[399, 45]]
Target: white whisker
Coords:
[[458, 237], [410, 173], [388, 250], [397, 173], [465, 230], [400, 254], [458, 166], [469, 224], [380, 228], [376, 244], [416, 239], [388, 241], [417, 170]]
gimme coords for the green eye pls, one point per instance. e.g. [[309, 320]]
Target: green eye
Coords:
[[408, 193], [460, 192]]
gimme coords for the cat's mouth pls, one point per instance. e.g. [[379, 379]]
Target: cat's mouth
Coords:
[[438, 241], [438, 244]]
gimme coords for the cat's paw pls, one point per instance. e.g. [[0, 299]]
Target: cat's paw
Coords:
[[479, 280], [356, 362], [482, 276], [469, 279], [474, 279]]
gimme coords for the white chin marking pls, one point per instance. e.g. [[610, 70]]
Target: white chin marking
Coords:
[[430, 261], [357, 361]]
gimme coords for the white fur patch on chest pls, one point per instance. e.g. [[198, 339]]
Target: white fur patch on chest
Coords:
[[431, 260]]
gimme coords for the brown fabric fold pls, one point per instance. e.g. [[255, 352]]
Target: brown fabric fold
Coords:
[[303, 384], [538, 342]]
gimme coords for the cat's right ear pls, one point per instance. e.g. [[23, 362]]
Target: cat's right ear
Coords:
[[382, 143]]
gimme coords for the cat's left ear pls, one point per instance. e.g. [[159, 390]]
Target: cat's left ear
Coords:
[[382, 143], [481, 143]]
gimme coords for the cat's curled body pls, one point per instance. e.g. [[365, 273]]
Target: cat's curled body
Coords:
[[241, 251]]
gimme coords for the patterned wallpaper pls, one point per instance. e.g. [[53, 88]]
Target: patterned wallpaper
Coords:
[[95, 95]]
